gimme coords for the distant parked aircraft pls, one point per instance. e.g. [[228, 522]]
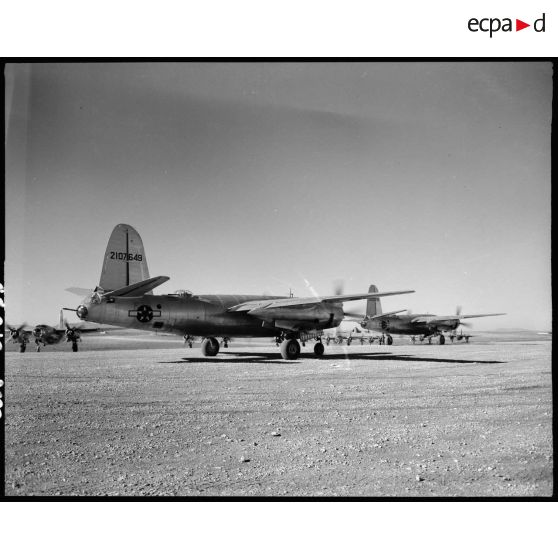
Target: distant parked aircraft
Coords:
[[48, 335], [425, 326]]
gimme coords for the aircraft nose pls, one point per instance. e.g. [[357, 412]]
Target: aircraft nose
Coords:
[[37, 331]]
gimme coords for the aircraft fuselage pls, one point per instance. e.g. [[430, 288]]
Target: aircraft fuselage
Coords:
[[404, 325], [205, 315]]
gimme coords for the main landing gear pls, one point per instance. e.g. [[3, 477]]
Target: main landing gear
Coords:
[[441, 338], [210, 346], [290, 349]]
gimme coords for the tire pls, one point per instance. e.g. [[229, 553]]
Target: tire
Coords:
[[389, 340], [290, 349], [75, 347], [210, 347], [319, 349], [442, 340], [22, 348]]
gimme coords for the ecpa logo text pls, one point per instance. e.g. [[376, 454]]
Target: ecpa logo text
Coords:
[[494, 24]]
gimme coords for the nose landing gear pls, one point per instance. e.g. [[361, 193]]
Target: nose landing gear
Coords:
[[319, 348]]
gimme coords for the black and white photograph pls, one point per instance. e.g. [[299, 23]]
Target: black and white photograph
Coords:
[[278, 279]]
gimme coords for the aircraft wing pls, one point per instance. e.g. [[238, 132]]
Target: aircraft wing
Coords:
[[478, 315], [306, 301], [81, 330], [21, 331], [79, 291], [439, 319]]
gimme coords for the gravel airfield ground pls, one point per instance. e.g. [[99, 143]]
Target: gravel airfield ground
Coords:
[[161, 420]]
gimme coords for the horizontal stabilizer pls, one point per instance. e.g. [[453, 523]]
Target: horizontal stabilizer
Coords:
[[79, 291], [386, 314], [138, 289]]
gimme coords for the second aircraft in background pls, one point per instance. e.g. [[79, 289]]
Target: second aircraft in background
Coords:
[[425, 326]]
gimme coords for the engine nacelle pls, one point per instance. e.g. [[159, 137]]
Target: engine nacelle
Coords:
[[82, 312]]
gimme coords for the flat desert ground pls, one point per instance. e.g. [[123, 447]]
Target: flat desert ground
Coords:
[[146, 416]]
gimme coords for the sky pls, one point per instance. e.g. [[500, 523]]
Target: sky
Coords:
[[257, 178]]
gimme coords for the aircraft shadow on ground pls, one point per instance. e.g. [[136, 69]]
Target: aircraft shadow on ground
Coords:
[[276, 359]]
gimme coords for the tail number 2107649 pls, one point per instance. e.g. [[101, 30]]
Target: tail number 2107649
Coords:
[[125, 256]]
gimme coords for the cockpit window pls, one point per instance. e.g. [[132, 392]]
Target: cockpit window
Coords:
[[183, 293]]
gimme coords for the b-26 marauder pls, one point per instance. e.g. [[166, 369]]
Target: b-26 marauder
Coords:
[[124, 297], [425, 326], [48, 335]]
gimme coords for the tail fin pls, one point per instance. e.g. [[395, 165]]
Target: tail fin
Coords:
[[373, 306], [125, 261]]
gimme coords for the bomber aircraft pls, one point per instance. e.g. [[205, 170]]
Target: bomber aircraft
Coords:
[[124, 297], [48, 335], [425, 326]]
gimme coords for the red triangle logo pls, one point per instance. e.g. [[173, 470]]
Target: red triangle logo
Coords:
[[519, 25]]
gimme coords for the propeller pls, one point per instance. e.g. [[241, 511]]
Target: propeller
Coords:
[[458, 313], [338, 290], [338, 287], [72, 333], [14, 331]]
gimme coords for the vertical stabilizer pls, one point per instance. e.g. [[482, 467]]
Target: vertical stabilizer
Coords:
[[373, 306], [125, 261]]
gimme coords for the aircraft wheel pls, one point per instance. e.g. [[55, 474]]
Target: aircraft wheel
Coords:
[[210, 346], [38, 348], [319, 349], [22, 348], [442, 339], [75, 347], [348, 342], [389, 340], [290, 349]]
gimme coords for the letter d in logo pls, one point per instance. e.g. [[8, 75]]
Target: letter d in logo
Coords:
[[538, 26]]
